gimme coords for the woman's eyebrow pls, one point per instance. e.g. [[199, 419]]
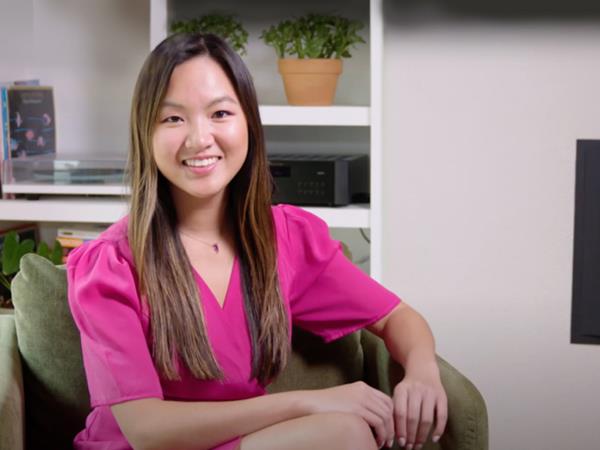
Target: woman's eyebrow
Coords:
[[224, 98], [169, 103]]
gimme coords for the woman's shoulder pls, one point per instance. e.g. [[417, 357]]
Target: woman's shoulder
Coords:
[[304, 235], [294, 219], [111, 245], [102, 280], [117, 231]]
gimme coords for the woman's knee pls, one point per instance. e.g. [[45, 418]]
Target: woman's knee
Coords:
[[334, 431], [351, 431]]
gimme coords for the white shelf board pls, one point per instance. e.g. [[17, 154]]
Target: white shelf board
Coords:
[[351, 216], [68, 189], [349, 116], [64, 209], [109, 210]]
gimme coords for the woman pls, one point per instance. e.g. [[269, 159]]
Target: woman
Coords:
[[185, 306]]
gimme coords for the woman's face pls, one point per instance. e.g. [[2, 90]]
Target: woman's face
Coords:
[[200, 140]]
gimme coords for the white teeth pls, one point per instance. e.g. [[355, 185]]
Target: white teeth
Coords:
[[200, 162]]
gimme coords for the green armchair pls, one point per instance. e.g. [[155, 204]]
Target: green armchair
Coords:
[[43, 393]]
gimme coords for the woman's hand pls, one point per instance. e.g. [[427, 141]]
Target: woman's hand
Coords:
[[360, 399], [419, 402]]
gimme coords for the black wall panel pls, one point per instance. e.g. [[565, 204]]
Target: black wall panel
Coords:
[[585, 317]]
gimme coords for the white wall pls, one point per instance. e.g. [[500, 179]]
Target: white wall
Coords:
[[16, 38], [480, 122], [91, 52]]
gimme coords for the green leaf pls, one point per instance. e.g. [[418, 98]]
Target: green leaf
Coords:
[[56, 256], [4, 281], [9, 251], [314, 36], [225, 26], [43, 250], [13, 251]]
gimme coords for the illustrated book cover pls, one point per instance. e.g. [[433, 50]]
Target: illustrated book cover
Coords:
[[31, 121]]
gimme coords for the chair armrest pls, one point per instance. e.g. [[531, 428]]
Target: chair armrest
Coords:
[[467, 427], [12, 409]]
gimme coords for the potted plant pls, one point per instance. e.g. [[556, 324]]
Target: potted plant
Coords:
[[310, 51], [11, 253], [223, 25]]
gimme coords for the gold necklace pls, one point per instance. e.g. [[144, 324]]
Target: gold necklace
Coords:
[[214, 246]]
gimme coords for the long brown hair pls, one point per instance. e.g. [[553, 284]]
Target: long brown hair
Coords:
[[165, 275]]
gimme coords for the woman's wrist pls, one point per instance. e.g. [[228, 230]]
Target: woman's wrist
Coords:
[[299, 403], [419, 363]]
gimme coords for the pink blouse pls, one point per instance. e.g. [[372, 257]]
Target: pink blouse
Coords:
[[323, 291]]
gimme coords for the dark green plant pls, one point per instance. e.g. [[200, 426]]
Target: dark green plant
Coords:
[[314, 36], [14, 249], [223, 25]]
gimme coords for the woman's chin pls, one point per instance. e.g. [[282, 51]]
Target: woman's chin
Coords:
[[206, 195]]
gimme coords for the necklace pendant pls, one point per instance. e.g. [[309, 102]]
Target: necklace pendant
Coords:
[[215, 247]]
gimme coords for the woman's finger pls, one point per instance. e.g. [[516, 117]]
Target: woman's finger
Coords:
[[441, 416], [384, 409], [426, 419], [400, 414], [382, 399], [390, 423], [413, 417], [376, 422]]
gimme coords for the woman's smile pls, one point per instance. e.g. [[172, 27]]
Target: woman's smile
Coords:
[[202, 165]]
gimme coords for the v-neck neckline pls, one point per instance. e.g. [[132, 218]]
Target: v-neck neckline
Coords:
[[212, 295]]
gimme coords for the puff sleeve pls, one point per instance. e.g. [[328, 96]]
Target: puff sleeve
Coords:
[[106, 307], [329, 296]]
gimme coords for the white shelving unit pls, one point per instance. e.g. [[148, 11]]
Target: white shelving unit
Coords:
[[368, 216], [74, 206]]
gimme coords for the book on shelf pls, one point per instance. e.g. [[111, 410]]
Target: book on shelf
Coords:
[[4, 122], [70, 243], [26, 121], [86, 232], [6, 109], [31, 121], [73, 237]]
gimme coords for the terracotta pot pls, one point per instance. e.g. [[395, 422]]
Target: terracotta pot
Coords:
[[310, 82]]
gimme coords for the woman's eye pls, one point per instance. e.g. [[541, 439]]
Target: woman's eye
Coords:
[[172, 119], [222, 114]]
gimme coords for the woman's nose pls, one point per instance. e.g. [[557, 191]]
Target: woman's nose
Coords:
[[200, 137]]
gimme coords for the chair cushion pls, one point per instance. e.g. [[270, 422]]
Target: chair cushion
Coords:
[[316, 365], [56, 395]]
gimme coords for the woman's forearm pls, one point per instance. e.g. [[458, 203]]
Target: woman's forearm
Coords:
[[408, 338], [419, 399], [162, 424]]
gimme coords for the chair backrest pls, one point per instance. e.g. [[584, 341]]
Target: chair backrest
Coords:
[[56, 395], [12, 408], [316, 365]]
